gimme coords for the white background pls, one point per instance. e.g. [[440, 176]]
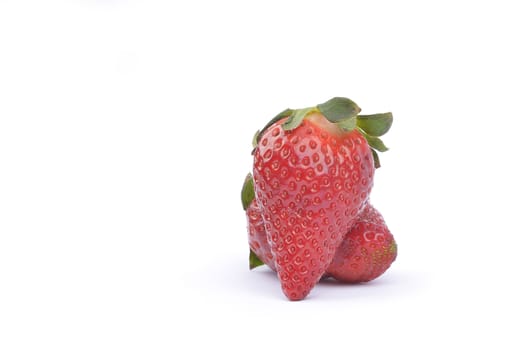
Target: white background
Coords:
[[125, 132]]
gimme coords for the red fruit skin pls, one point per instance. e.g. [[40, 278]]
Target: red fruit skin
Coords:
[[347, 253], [257, 238], [310, 184], [366, 253], [371, 214]]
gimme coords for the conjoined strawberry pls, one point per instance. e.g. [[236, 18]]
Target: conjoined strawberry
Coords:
[[313, 172], [366, 252]]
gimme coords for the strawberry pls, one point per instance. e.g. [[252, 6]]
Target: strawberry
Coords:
[[313, 172], [367, 251]]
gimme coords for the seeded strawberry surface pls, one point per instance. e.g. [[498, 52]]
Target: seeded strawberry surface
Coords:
[[310, 185], [366, 253]]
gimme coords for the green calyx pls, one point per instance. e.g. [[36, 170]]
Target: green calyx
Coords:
[[296, 118], [284, 114], [341, 111], [375, 124], [247, 192], [345, 114], [338, 110], [371, 127], [254, 260]]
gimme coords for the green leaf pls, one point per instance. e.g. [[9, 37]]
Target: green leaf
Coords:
[[339, 108], [248, 192], [275, 119], [255, 138], [254, 260], [283, 114], [375, 143], [375, 124], [377, 164], [348, 124], [296, 118]]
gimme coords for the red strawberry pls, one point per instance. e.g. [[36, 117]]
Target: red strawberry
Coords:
[[367, 251], [313, 172]]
